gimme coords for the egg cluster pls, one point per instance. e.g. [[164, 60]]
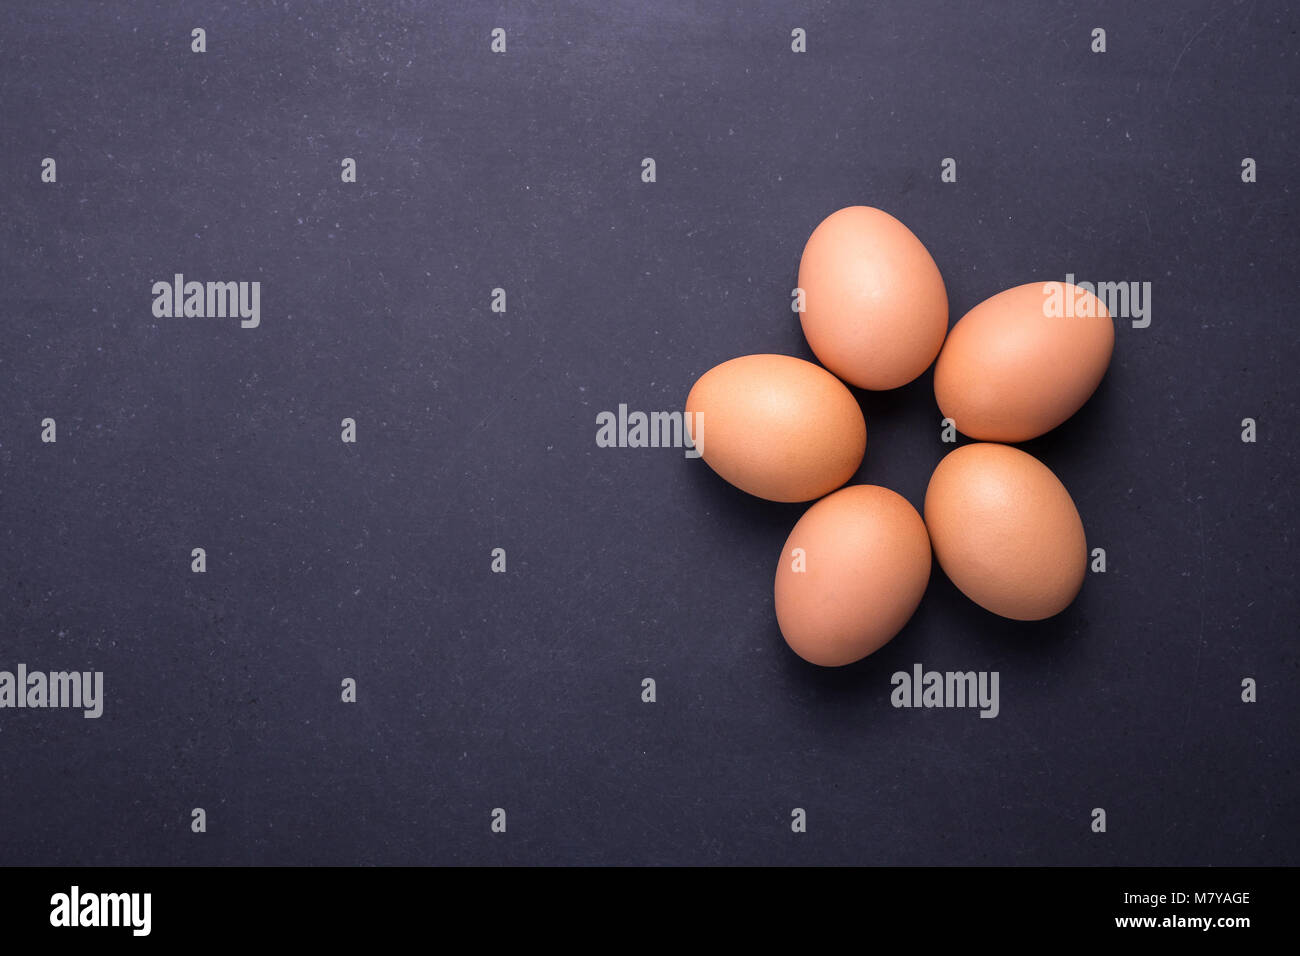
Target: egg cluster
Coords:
[[1001, 525]]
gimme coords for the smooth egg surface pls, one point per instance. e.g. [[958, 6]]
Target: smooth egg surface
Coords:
[[777, 427], [851, 575], [875, 307], [1022, 362], [1006, 531]]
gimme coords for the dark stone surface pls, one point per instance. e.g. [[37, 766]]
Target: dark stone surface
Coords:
[[476, 431]]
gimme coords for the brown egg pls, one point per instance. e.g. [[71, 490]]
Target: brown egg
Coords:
[[1006, 531], [875, 307], [1019, 364], [851, 574], [776, 426]]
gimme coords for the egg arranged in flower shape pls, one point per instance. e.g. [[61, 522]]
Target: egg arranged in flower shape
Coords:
[[776, 426], [875, 310]]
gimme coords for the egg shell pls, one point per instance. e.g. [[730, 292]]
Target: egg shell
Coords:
[[1015, 367], [777, 427], [866, 562], [1006, 531], [875, 306]]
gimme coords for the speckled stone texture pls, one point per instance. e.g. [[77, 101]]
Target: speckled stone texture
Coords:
[[476, 430]]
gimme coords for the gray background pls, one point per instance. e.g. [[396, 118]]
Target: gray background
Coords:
[[477, 431]]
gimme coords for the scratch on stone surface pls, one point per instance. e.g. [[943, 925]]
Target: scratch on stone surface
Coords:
[[1200, 632], [1188, 46]]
